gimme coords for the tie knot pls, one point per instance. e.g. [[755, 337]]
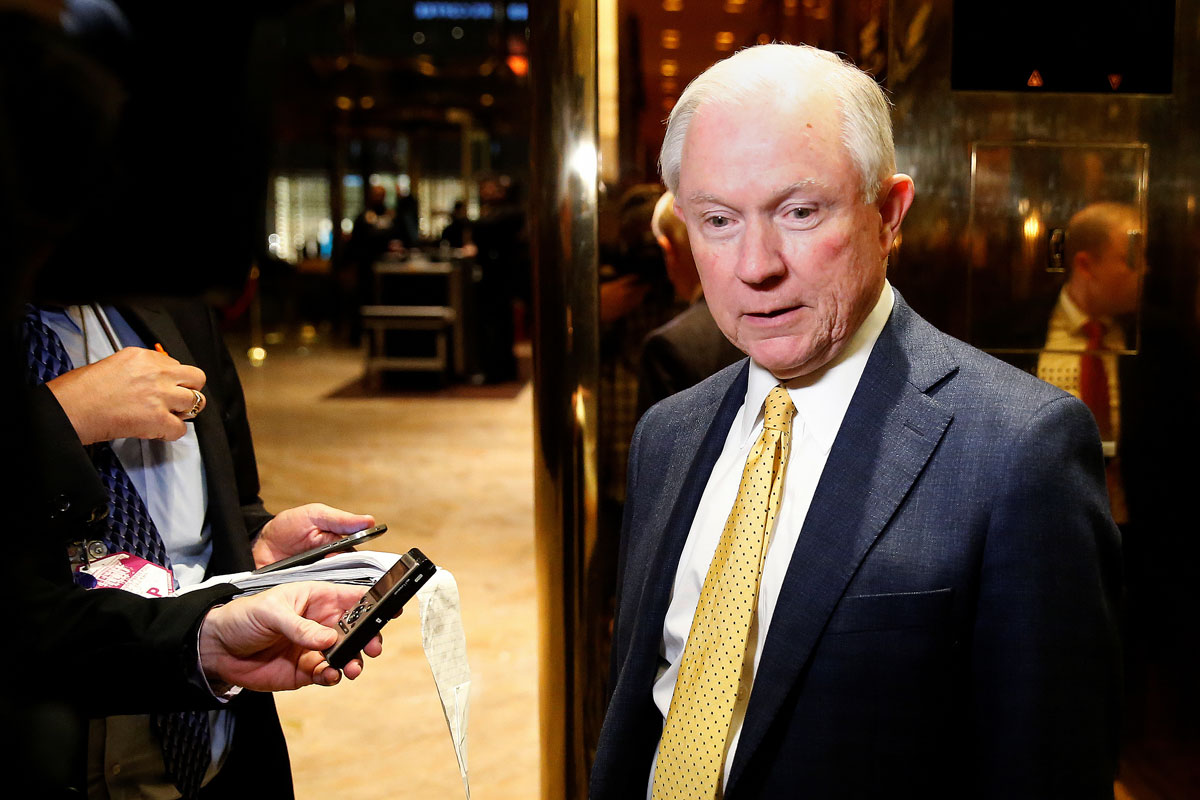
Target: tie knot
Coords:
[[779, 410], [1095, 330]]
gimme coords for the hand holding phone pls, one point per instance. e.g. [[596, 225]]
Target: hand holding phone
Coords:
[[317, 553], [382, 602]]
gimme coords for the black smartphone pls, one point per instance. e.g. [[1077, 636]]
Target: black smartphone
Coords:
[[317, 553], [382, 602]]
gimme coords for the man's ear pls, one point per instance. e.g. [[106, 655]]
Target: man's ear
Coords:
[[665, 245], [895, 196], [1083, 263]]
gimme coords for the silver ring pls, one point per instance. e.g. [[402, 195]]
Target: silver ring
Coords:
[[197, 406]]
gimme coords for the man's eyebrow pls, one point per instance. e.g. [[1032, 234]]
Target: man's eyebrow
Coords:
[[776, 196], [703, 197], [807, 183]]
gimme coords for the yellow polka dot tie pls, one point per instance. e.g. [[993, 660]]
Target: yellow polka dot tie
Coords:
[[692, 750]]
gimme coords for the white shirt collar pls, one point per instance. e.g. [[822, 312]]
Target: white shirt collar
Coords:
[[1076, 317], [822, 397]]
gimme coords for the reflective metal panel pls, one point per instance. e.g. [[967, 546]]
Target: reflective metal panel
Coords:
[[1022, 196], [1026, 161], [563, 207], [935, 128]]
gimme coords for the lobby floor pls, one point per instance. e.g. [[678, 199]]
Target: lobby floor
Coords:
[[450, 472]]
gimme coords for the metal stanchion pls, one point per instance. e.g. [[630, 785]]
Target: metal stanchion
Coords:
[[565, 368]]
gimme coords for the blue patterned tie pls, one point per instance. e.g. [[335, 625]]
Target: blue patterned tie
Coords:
[[185, 736]]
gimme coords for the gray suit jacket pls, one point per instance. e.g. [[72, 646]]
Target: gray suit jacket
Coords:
[[947, 624]]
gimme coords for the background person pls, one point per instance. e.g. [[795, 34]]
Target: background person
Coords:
[[690, 347], [64, 112], [1134, 368]]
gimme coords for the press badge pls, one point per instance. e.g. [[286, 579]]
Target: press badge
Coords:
[[129, 572]]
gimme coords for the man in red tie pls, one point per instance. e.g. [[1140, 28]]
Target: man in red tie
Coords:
[[1089, 326]]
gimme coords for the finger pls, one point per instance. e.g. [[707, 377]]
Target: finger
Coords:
[[187, 403], [341, 595], [353, 668], [326, 675], [188, 377], [201, 402], [334, 520], [318, 538], [374, 647], [170, 429], [306, 633]]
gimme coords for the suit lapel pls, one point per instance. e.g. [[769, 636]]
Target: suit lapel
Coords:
[[230, 545], [890, 430], [154, 324], [631, 730], [656, 592]]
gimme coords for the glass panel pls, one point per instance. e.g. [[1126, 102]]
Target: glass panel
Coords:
[[1023, 248], [299, 217]]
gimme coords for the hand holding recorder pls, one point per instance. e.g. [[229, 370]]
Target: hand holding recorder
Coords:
[[272, 641], [359, 627]]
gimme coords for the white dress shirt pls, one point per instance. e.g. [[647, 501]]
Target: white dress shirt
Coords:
[[1060, 364], [821, 401]]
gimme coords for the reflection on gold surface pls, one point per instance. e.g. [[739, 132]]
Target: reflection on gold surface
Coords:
[[1021, 198], [817, 9], [563, 241], [1032, 227]]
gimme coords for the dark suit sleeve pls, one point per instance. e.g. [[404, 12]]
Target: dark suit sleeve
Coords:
[[108, 651], [1045, 656], [86, 648], [61, 487]]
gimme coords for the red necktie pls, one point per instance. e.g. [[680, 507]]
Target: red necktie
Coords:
[[1093, 378]]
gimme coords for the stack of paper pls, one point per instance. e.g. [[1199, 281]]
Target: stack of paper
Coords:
[[362, 567]]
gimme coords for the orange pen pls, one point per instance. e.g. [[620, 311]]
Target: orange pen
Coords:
[[161, 349]]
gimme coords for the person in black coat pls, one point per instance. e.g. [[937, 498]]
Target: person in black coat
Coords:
[[690, 347]]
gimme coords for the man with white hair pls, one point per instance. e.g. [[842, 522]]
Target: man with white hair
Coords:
[[690, 347], [869, 561]]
